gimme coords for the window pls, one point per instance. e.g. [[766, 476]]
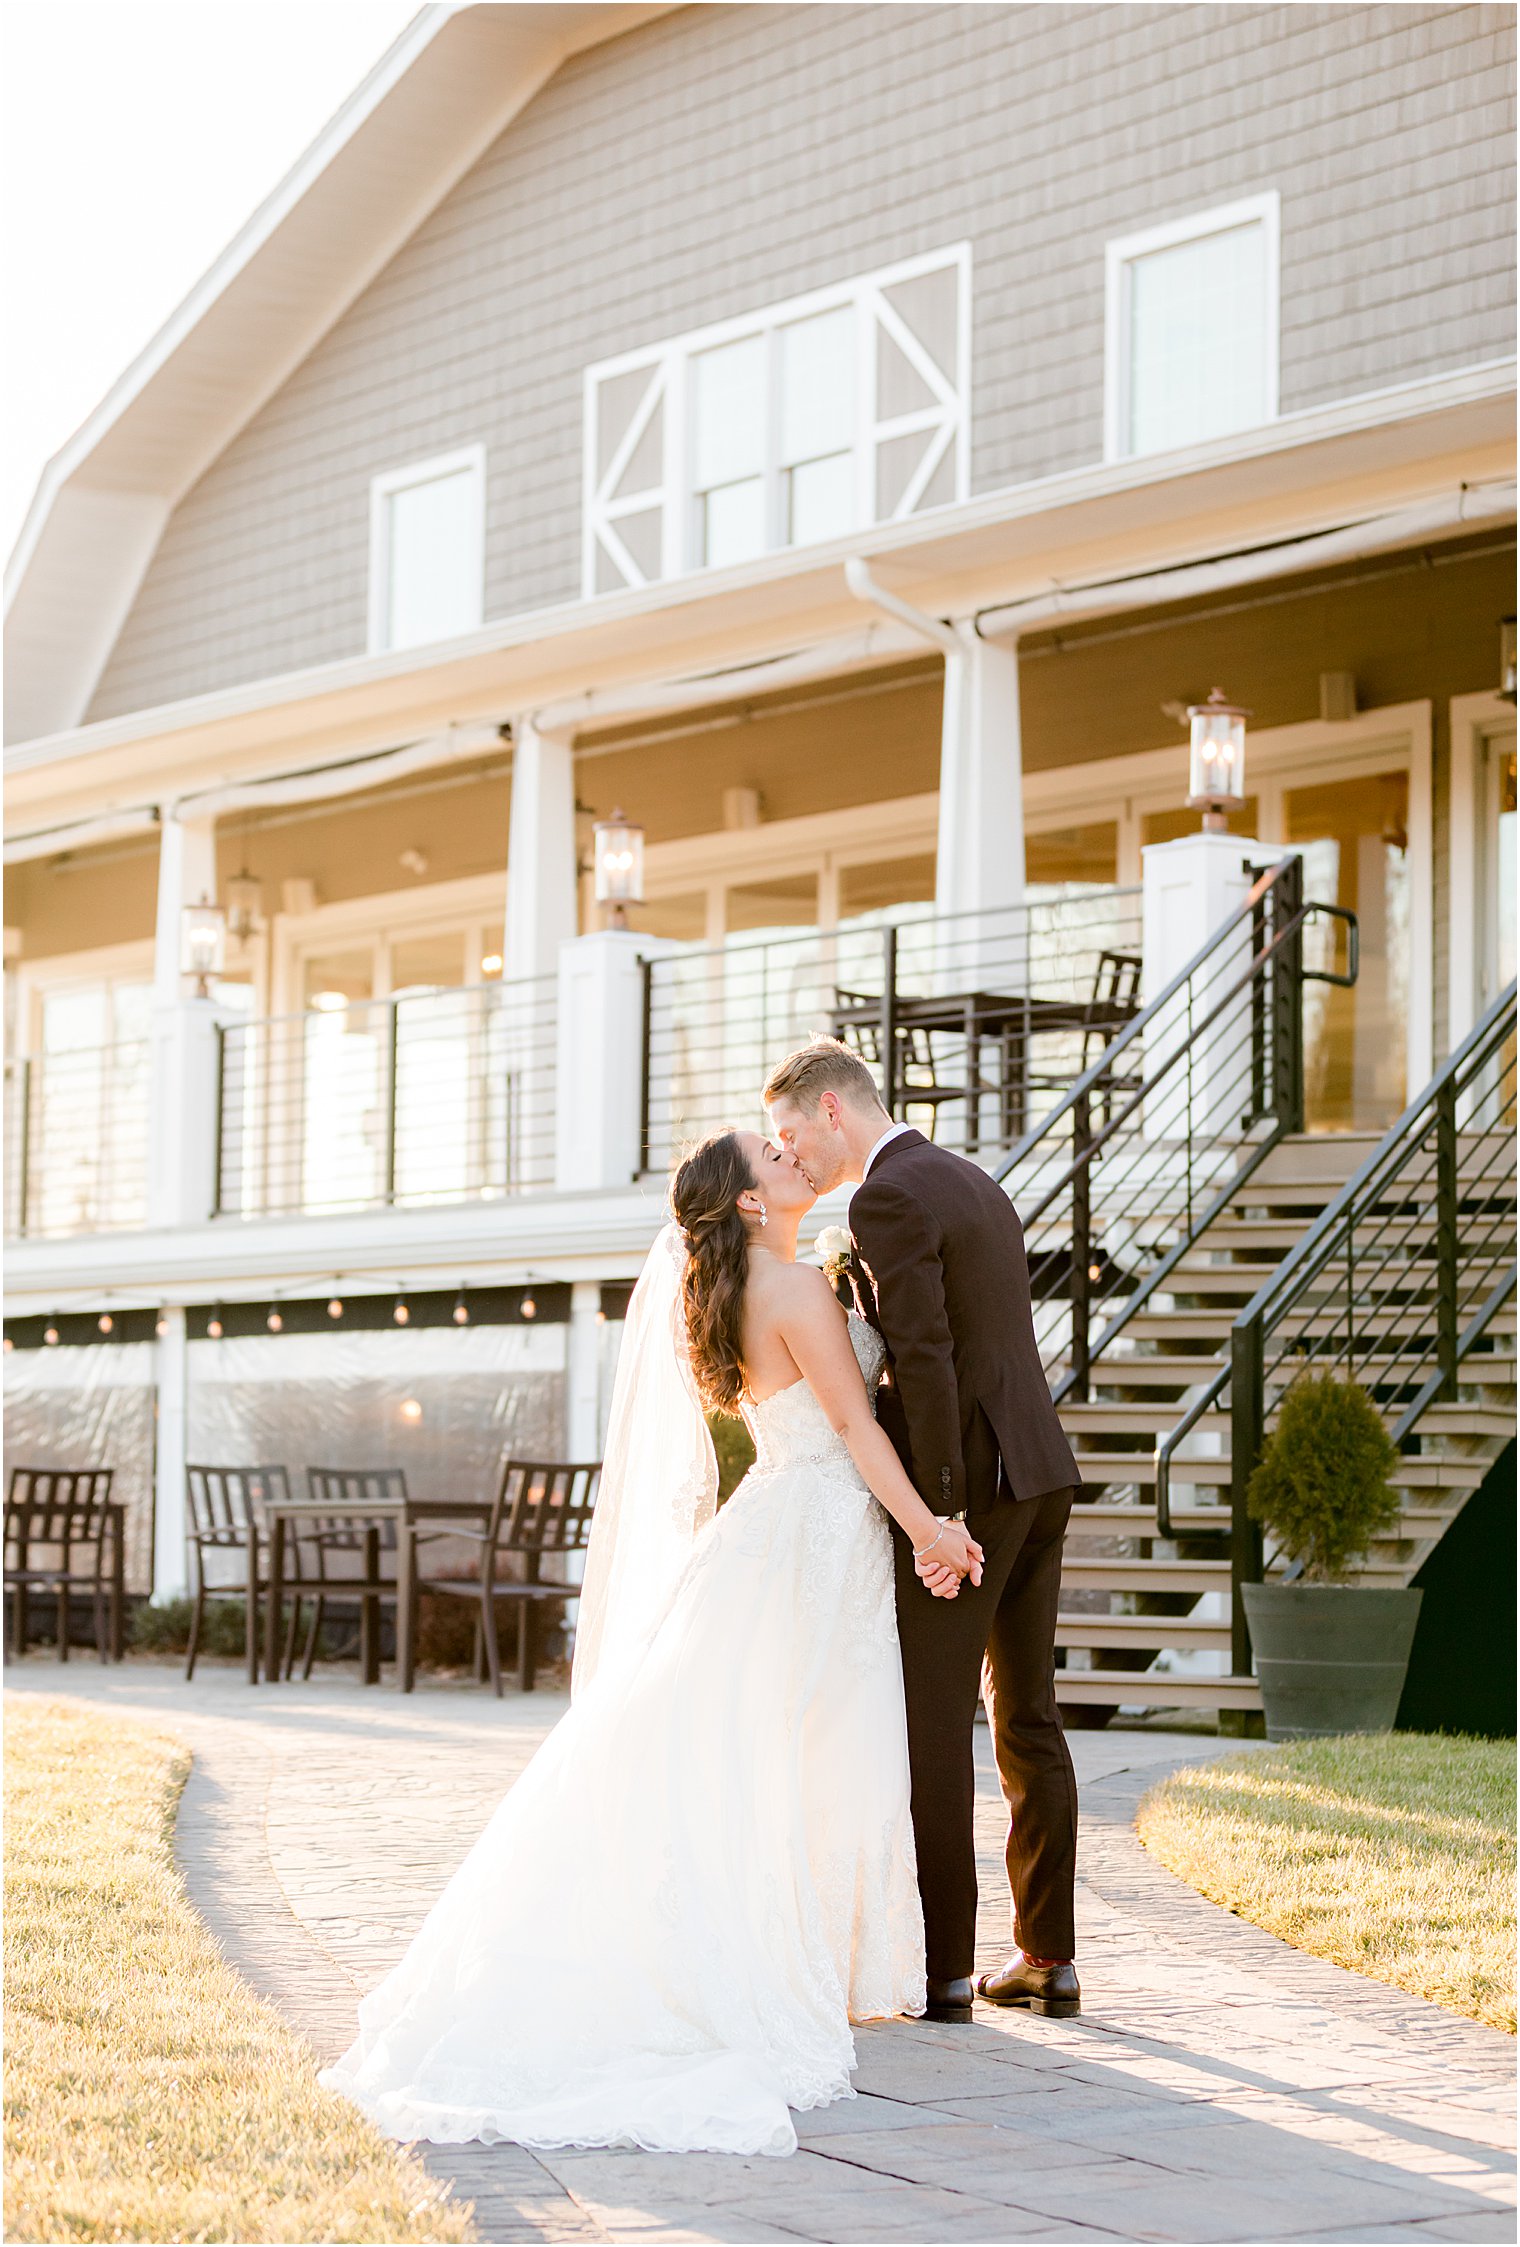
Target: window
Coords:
[[427, 551], [794, 425], [1192, 329]]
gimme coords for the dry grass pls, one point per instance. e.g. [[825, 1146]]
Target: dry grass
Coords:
[[1392, 1855], [150, 2095]]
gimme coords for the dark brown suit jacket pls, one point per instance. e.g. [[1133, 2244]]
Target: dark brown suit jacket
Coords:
[[941, 1272]]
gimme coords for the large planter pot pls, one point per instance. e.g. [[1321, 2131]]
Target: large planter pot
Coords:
[[1331, 1657]]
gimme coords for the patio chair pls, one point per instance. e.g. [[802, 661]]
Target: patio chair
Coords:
[[858, 1020], [66, 1512], [226, 1510], [321, 1539], [1115, 991], [541, 1507]]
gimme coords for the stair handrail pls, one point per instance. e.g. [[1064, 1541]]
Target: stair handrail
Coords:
[[1272, 916], [1311, 1254]]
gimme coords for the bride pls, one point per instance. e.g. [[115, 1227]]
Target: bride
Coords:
[[706, 1873]]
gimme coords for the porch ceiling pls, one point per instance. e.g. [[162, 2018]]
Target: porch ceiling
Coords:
[[1305, 473]]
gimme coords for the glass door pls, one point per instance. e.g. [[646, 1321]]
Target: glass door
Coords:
[[1354, 838]]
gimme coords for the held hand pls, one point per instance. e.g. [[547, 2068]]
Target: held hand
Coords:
[[941, 1580], [953, 1548]]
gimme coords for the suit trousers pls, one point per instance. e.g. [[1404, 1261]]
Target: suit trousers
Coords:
[[998, 1636]]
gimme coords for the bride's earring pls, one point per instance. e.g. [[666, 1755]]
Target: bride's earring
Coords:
[[764, 1217]]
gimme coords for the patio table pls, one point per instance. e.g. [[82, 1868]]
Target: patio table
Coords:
[[285, 1520], [1009, 1018]]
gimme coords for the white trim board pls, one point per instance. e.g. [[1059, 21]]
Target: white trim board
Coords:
[[1475, 719]]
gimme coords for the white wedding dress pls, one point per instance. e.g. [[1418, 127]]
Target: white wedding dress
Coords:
[[707, 1871]]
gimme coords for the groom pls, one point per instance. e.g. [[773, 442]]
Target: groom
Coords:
[[939, 1269]]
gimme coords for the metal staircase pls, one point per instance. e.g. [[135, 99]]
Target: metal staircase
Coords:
[[1193, 1248]]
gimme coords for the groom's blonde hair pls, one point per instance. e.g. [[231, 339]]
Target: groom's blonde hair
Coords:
[[822, 1065]]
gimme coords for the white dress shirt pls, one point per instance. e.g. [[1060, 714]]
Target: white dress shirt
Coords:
[[893, 1131]]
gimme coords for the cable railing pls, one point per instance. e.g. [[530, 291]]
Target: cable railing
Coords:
[[426, 1098], [1396, 1285], [971, 1023], [1129, 1168], [76, 1141]]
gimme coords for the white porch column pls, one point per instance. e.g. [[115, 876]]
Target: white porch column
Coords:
[[182, 1137], [170, 1559], [1190, 888], [600, 1060], [980, 860], [541, 876]]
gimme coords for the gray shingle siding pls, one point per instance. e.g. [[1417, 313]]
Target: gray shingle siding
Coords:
[[718, 159]]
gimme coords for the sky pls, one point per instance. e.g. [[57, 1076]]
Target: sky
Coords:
[[135, 138]]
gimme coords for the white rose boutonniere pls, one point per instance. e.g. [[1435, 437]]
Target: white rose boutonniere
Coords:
[[835, 1250]]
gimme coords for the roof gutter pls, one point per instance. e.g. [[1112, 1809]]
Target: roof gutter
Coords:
[[1470, 504]]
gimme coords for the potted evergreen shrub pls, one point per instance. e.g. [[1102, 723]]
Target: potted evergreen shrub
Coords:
[[1331, 1656]]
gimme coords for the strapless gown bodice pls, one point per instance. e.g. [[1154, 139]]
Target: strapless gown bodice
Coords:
[[791, 1428]]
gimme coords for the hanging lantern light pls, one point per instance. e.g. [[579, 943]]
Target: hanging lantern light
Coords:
[[245, 902], [1217, 760], [618, 856]]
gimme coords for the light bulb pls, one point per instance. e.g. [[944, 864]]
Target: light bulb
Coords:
[[411, 1409], [105, 1322], [50, 1337], [401, 1314], [10, 1343], [461, 1312], [529, 1307], [214, 1329], [335, 1307], [161, 1325], [274, 1322]]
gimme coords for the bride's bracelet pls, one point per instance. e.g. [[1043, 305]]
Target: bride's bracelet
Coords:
[[920, 1550]]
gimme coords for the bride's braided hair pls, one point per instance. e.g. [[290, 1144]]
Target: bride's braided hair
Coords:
[[704, 1195]]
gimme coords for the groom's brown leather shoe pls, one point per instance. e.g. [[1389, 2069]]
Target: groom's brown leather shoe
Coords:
[[949, 2001], [1044, 1989]]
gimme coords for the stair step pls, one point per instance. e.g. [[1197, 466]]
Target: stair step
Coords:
[[1141, 1630], [1152, 1689], [1214, 1326], [1436, 1473], [1203, 1521], [1485, 1369], [1145, 1575]]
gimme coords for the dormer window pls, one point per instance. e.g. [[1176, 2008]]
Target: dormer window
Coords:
[[427, 551], [801, 423]]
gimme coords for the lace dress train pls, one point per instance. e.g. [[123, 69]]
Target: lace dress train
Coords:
[[706, 1873]]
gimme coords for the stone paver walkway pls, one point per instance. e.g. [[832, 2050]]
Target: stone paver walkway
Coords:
[[1218, 2087]]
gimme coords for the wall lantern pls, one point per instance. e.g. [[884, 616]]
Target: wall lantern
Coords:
[[202, 944], [1506, 659], [1217, 760], [618, 856]]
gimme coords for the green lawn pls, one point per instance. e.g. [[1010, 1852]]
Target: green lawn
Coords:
[[149, 2094], [1393, 1855]]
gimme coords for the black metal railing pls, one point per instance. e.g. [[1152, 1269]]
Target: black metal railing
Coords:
[[1129, 1168], [1395, 1285], [972, 1023], [76, 1141], [429, 1097]]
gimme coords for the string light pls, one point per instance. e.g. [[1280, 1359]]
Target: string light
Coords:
[[10, 1343], [105, 1322], [214, 1324], [529, 1307], [50, 1337], [274, 1322], [411, 1409], [161, 1325], [461, 1310], [401, 1314], [335, 1307]]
